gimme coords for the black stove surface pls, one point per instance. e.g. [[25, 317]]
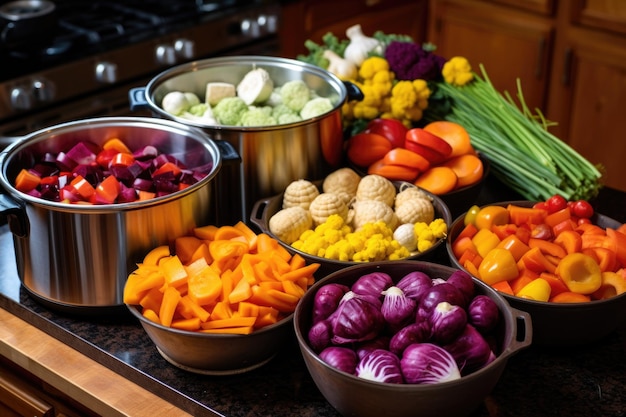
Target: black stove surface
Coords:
[[83, 28]]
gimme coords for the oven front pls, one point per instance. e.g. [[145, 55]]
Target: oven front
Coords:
[[97, 51]]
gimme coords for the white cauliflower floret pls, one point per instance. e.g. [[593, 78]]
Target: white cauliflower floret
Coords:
[[316, 107], [230, 110], [295, 94], [257, 116], [177, 102]]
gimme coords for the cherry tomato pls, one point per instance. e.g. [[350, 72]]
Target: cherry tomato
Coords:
[[470, 216], [555, 203], [583, 209], [583, 220], [541, 205]]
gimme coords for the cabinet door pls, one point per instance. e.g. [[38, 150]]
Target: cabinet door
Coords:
[[511, 44], [304, 20], [588, 94]]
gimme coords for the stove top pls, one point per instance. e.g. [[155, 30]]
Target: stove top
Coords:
[[79, 28]]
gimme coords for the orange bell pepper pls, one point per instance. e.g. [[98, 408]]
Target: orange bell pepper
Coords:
[[498, 265], [612, 284], [526, 215], [536, 261], [569, 240], [514, 244]]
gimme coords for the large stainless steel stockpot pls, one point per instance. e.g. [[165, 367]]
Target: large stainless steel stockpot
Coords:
[[78, 256], [271, 156]]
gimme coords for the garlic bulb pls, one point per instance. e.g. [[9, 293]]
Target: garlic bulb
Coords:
[[360, 45], [342, 68]]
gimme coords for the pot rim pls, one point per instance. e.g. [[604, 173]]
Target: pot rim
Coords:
[[252, 60], [153, 123]]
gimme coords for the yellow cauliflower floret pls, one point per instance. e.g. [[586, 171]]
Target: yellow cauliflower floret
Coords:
[[340, 251], [409, 99], [424, 245], [457, 71], [439, 228], [373, 65]]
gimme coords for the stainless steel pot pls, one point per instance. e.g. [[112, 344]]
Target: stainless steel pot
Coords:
[[271, 156], [75, 256]]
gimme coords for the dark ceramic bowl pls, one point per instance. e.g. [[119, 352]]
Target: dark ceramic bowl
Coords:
[[561, 324], [355, 396], [216, 354], [264, 209]]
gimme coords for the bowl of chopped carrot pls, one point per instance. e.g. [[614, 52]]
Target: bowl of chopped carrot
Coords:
[[219, 302], [557, 260]]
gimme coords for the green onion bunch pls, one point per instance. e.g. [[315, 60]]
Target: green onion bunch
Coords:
[[523, 154]]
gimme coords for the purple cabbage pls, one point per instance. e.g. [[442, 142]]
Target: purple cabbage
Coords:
[[415, 284], [463, 281], [319, 335], [327, 299], [447, 322], [364, 348], [483, 314], [357, 319], [437, 294], [397, 308], [341, 358], [380, 365], [427, 363], [372, 284], [470, 350], [418, 332]]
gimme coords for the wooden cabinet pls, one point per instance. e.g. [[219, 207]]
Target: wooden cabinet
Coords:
[[312, 19], [24, 395], [570, 56]]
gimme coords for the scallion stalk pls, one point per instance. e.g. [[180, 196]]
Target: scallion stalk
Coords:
[[523, 154]]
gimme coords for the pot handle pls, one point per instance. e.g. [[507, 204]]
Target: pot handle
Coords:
[[137, 98], [228, 152], [354, 92], [256, 216], [15, 215], [523, 331]]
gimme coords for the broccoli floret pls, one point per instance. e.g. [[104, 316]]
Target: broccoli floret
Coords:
[[257, 116], [229, 110], [295, 94], [316, 51], [316, 107]]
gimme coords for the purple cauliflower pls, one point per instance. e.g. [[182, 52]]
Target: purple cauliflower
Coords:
[[409, 61]]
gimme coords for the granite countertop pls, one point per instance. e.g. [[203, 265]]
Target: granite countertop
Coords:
[[538, 381]]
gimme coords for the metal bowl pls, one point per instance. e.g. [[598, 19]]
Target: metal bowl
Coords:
[[556, 324], [216, 354], [354, 396], [264, 209]]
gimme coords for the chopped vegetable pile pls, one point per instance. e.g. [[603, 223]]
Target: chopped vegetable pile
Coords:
[[358, 219], [89, 174], [222, 279], [413, 329], [255, 101], [550, 252]]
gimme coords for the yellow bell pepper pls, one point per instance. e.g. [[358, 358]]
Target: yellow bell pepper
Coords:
[[485, 240], [538, 289], [497, 265], [580, 272]]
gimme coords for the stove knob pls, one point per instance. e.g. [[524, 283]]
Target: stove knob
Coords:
[[250, 28], [166, 54], [184, 48], [268, 23], [43, 90], [21, 99], [106, 72]]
